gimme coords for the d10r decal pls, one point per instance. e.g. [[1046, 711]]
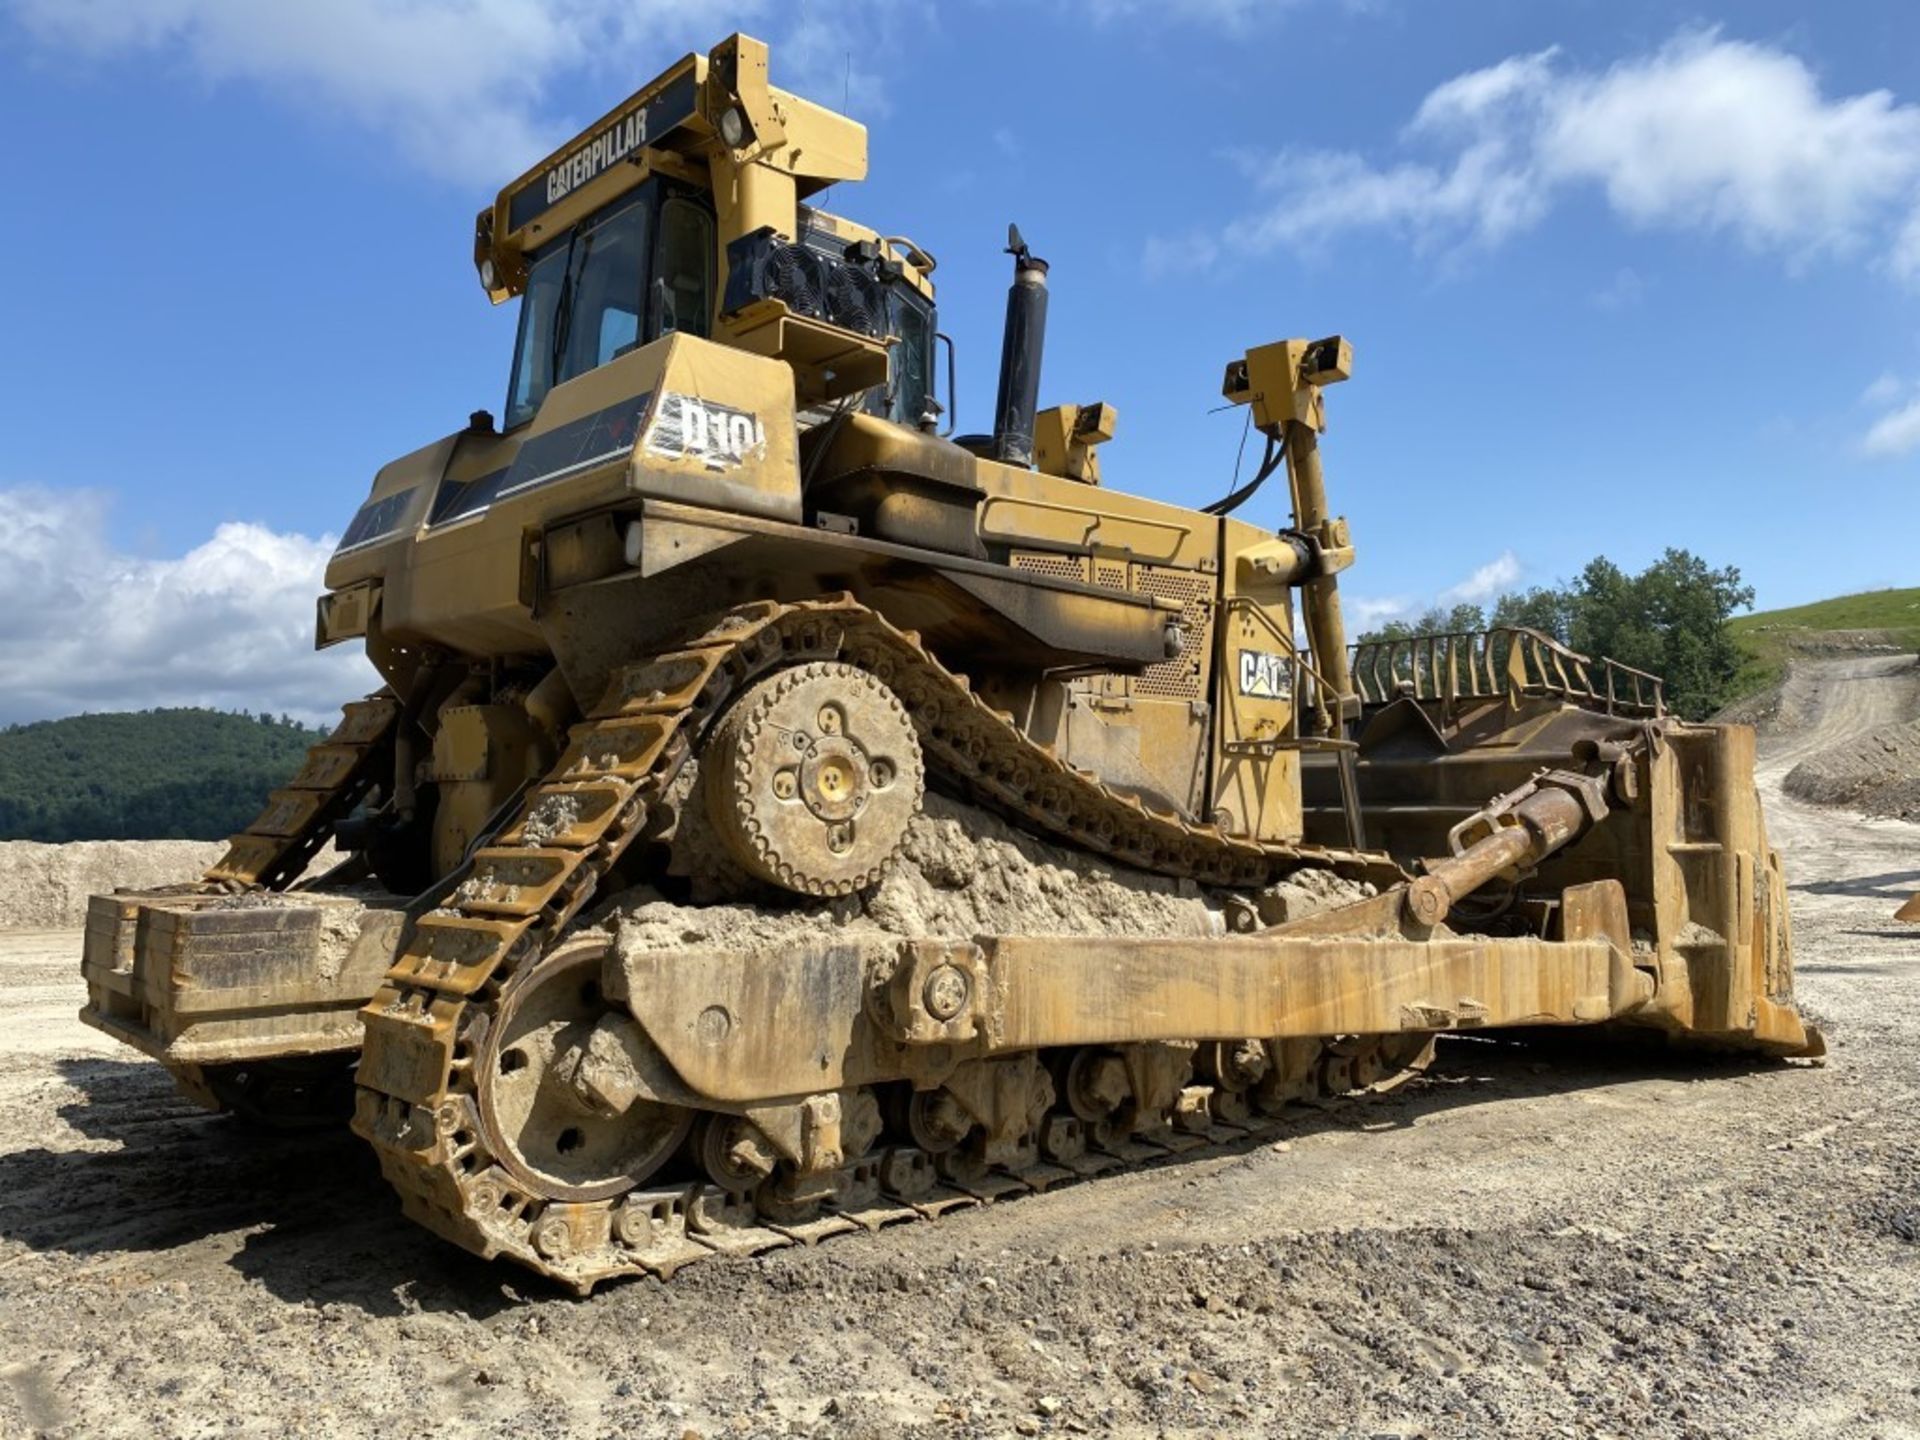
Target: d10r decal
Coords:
[[685, 427], [1266, 676]]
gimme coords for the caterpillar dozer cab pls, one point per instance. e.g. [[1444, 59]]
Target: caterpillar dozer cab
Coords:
[[712, 606]]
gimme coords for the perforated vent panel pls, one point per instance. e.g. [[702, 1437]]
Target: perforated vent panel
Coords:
[[1181, 677], [1060, 567]]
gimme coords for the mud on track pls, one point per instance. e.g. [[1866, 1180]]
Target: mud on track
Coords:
[[1521, 1244]]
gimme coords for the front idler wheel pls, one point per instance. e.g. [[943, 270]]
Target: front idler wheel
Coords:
[[559, 1091]]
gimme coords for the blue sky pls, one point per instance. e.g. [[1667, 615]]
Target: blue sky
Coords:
[[1617, 275]]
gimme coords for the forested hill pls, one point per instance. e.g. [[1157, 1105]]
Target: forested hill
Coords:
[[145, 775]]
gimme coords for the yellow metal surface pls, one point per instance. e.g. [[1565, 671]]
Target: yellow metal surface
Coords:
[[1257, 777], [795, 1020], [1065, 439], [791, 149], [1282, 381]]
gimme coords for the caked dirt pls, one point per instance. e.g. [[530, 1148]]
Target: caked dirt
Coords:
[[964, 872], [1518, 1244]]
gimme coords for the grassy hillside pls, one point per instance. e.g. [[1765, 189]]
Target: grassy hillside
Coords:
[[149, 775], [1767, 636]]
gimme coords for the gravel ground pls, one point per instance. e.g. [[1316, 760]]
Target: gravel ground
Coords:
[[1517, 1245]]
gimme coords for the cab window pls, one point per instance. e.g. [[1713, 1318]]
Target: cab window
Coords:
[[601, 316], [584, 299], [911, 372], [683, 278]]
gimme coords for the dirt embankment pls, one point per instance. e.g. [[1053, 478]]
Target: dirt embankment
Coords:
[[1847, 731], [1878, 773], [1833, 644], [45, 887]]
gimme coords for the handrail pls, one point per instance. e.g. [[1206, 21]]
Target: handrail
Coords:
[[1508, 661]]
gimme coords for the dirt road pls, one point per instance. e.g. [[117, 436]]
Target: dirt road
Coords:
[[1865, 751], [1507, 1248]]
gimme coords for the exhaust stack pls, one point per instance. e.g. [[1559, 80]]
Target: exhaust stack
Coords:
[[1020, 351]]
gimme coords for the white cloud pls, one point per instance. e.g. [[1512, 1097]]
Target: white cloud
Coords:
[[1897, 431], [229, 624], [1705, 134], [1464, 103], [1369, 612], [1623, 292], [1492, 579], [1883, 391], [1485, 585], [473, 90]]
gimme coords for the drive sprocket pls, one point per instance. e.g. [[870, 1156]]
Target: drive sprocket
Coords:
[[812, 778]]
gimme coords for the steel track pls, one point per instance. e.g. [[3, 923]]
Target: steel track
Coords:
[[417, 1096]]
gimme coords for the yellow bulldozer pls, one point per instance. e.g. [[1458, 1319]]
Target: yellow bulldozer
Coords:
[[714, 605]]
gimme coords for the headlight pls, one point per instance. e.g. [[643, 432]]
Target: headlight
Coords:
[[733, 127], [486, 274]]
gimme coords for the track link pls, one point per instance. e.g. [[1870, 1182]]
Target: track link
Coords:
[[298, 818], [661, 1230], [417, 1102]]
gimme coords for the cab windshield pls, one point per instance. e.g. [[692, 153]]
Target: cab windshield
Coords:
[[596, 293]]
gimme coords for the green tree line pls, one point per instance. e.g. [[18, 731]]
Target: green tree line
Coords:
[[1670, 620], [145, 775]]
